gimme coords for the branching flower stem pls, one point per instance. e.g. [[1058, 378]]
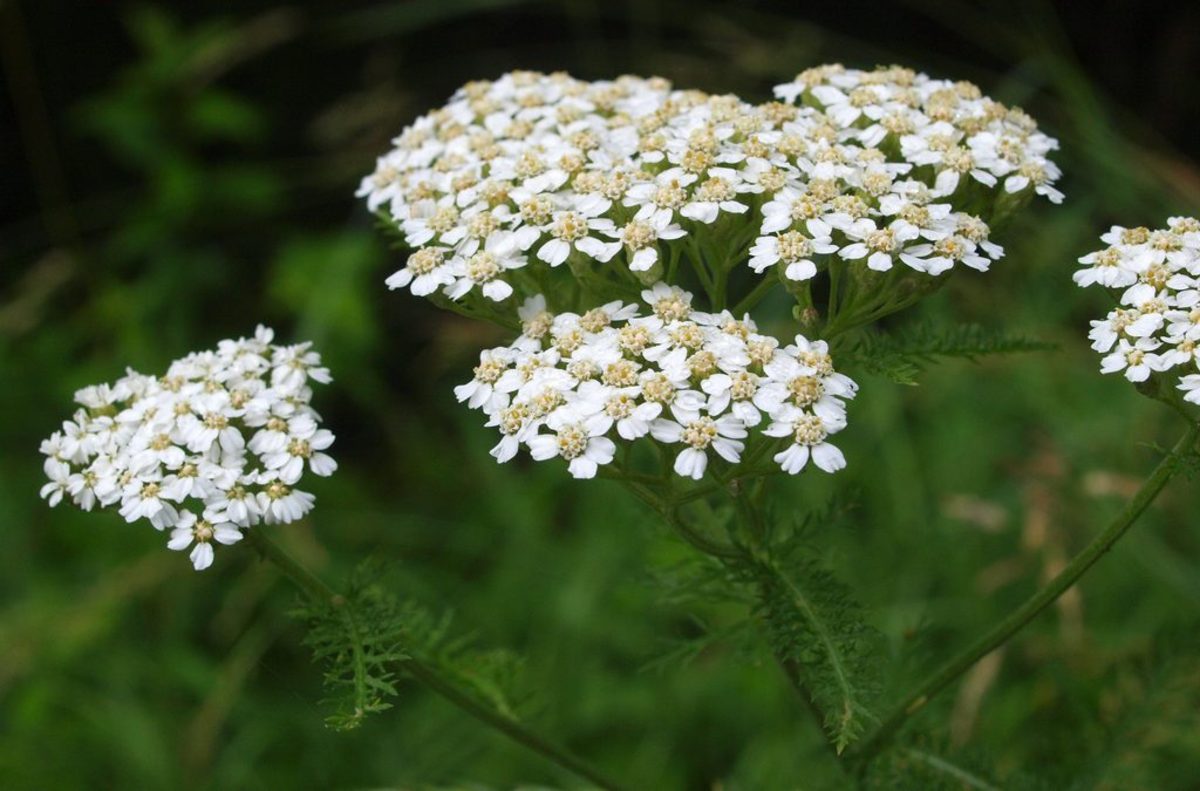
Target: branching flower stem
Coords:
[[317, 589], [1015, 621], [747, 303], [734, 553]]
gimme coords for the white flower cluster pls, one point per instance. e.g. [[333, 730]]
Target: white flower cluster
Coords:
[[215, 446], [1157, 326], [544, 169], [572, 383]]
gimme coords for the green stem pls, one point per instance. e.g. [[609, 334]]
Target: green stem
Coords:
[[1015, 621], [720, 283], [759, 554], [750, 300], [316, 588], [669, 513], [737, 554], [835, 277], [702, 274]]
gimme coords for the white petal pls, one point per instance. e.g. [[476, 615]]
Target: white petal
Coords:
[[691, 463], [793, 459], [202, 556], [666, 431], [828, 458]]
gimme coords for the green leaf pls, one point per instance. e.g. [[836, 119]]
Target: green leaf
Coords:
[[903, 355], [365, 637], [817, 629], [359, 638]]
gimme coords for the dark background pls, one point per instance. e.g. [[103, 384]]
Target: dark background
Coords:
[[177, 172]]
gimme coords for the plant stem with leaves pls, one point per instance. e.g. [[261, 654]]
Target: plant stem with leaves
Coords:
[[318, 590], [1013, 623], [811, 625]]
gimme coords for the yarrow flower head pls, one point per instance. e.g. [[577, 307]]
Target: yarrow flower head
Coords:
[[574, 385], [535, 190], [875, 169], [1156, 278], [216, 445]]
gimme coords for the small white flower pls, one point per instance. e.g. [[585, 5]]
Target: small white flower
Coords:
[[237, 504], [426, 270], [640, 239], [302, 449], [578, 438], [1190, 385], [481, 390], [59, 474], [144, 499], [700, 432], [279, 503], [189, 529], [881, 245], [1132, 358], [658, 201], [794, 250], [845, 109], [809, 432], [737, 392], [718, 193], [483, 268], [572, 230]]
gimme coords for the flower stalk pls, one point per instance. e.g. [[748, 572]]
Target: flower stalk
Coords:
[[316, 588], [999, 634], [747, 556]]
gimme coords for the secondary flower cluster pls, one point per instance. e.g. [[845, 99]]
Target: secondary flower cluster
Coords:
[[1157, 326], [534, 170], [571, 384], [216, 445]]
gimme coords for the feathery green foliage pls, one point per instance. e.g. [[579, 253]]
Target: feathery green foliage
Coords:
[[1155, 737], [491, 675], [359, 636], [365, 637], [815, 627], [901, 356]]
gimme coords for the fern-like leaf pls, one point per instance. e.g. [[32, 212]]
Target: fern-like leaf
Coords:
[[903, 355], [493, 676], [359, 637], [365, 638], [816, 629]]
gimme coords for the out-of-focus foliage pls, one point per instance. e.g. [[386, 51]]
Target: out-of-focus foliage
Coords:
[[177, 172]]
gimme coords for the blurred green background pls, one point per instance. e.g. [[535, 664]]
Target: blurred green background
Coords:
[[176, 173]]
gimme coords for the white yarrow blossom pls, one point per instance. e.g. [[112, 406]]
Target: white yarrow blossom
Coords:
[[214, 446], [699, 433], [573, 386], [189, 530], [808, 432], [1155, 328], [620, 176], [586, 191]]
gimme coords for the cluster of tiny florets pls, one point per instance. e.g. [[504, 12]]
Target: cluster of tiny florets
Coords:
[[877, 167], [696, 382], [1156, 275], [216, 445]]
